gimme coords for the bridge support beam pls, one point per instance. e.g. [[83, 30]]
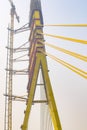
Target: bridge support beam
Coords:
[[38, 61]]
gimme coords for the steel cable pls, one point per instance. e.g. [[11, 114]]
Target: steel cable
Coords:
[[69, 66], [67, 25], [65, 38], [81, 57]]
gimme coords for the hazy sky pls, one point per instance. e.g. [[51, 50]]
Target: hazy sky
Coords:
[[70, 89]]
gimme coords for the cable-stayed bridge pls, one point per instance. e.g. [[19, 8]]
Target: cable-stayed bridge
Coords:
[[38, 71]]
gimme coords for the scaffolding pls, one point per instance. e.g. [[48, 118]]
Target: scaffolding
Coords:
[[9, 66]]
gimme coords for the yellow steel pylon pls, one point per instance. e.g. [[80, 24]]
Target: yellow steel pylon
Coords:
[[37, 61]]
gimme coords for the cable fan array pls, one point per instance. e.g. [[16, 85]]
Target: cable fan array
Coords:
[[65, 51]]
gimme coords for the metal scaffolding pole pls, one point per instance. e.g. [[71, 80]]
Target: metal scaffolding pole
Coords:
[[10, 72], [6, 89]]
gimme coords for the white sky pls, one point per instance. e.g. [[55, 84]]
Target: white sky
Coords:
[[70, 89]]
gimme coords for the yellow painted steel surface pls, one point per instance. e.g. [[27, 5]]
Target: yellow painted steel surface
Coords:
[[40, 62], [81, 57], [66, 38], [69, 66], [67, 25]]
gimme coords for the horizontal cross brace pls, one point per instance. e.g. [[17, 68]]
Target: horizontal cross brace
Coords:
[[40, 84], [20, 98], [40, 101]]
